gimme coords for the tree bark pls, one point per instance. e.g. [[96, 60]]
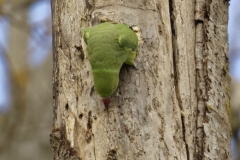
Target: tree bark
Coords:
[[174, 104]]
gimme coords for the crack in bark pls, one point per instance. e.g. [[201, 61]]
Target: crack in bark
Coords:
[[183, 132], [131, 7], [176, 72], [94, 147], [90, 135]]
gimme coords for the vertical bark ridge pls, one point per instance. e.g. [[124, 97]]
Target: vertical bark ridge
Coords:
[[217, 81], [211, 58], [200, 74], [175, 69], [183, 55]]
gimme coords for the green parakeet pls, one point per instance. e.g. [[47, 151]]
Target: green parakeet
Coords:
[[108, 47]]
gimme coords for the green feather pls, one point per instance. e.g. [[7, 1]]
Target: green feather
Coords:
[[108, 47]]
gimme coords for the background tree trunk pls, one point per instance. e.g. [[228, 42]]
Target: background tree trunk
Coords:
[[25, 127], [173, 105]]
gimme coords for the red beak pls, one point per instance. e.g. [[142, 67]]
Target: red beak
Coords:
[[106, 101]]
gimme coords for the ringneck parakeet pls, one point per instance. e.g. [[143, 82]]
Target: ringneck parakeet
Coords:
[[108, 47]]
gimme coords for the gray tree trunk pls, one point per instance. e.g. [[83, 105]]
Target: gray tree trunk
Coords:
[[173, 105]]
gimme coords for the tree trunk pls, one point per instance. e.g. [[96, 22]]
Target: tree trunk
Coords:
[[25, 128], [173, 104]]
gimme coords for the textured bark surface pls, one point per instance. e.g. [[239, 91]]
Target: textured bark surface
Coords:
[[173, 105]]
